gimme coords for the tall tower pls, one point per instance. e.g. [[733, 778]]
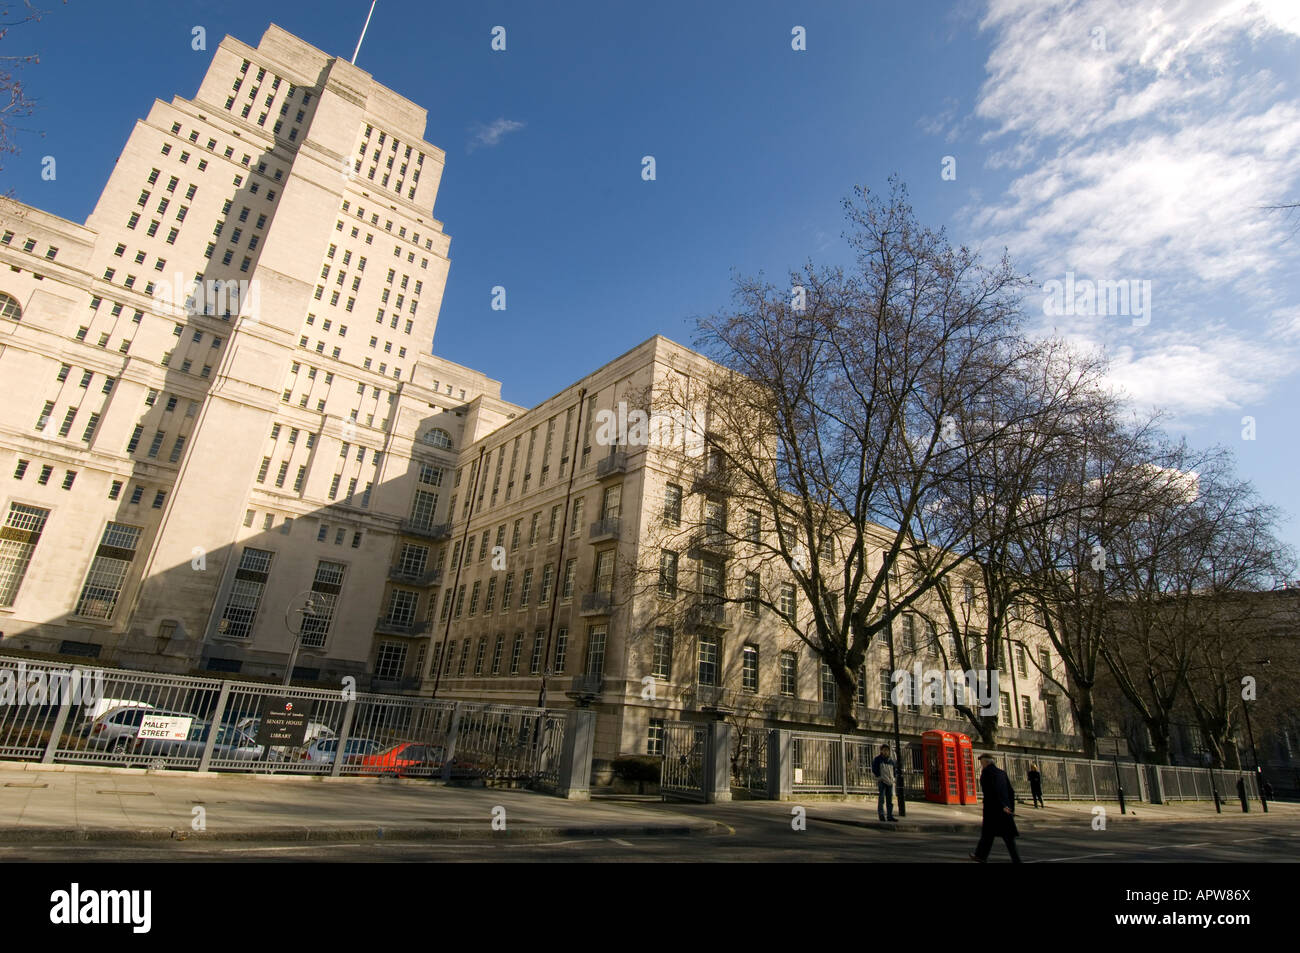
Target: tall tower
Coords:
[[254, 297]]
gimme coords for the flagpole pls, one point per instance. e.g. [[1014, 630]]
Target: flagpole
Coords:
[[363, 31]]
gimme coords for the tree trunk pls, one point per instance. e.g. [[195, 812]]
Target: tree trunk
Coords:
[[846, 687]]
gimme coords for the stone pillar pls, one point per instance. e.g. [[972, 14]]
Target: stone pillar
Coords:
[[780, 764], [575, 760], [1155, 789], [717, 763]]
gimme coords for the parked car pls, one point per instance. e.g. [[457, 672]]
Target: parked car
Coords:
[[402, 760], [324, 750], [119, 729]]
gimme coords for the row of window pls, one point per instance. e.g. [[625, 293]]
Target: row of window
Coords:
[[457, 661], [102, 588], [29, 245]]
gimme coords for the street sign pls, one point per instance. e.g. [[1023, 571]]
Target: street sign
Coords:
[[165, 727], [282, 724]]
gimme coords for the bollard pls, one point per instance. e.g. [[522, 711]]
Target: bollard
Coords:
[[1218, 802], [1241, 793]]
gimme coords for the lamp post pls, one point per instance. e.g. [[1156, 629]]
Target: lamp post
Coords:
[[898, 744], [1254, 752], [307, 611]]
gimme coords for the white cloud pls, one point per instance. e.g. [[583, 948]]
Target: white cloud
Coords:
[[1143, 141], [487, 135]]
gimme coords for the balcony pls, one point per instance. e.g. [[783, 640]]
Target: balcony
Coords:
[[434, 531], [713, 480], [430, 577], [710, 541], [378, 684], [612, 465], [602, 530], [386, 626], [714, 698], [708, 614], [597, 603], [588, 684]]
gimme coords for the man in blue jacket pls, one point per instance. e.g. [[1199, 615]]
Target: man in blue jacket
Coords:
[[999, 811], [883, 769]]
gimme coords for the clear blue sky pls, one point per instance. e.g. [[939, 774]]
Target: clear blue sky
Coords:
[[1133, 155]]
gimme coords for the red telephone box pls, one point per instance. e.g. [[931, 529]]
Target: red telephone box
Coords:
[[966, 770], [939, 749]]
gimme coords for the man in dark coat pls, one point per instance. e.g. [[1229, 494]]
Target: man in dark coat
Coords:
[[999, 811]]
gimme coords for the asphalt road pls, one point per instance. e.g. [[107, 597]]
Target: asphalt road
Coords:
[[752, 839]]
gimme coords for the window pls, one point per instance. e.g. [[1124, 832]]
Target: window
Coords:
[[68, 418], [1045, 662], [1052, 713], [478, 658], [104, 581], [668, 574], [1026, 713], [438, 438], [1022, 662], [566, 587], [708, 660], [661, 664], [44, 418], [751, 594], [22, 532], [390, 661], [326, 586], [402, 606], [886, 689], [535, 662], [654, 744], [787, 602], [516, 652], [830, 691], [561, 649], [672, 505], [1005, 710], [595, 665], [749, 668], [789, 674], [21, 469], [525, 588]]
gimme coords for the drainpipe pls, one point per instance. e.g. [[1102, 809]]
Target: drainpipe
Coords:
[[478, 475], [564, 537]]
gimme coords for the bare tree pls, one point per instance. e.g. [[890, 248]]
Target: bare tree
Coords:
[[15, 103], [831, 414]]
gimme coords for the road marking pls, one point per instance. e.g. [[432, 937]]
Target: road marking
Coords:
[[621, 843], [1053, 860]]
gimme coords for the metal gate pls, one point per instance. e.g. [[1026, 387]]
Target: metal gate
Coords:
[[682, 775]]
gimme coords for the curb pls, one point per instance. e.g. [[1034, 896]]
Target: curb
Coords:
[[40, 835]]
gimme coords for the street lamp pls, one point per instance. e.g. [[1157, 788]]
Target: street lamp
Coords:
[[307, 611], [1254, 753], [893, 667]]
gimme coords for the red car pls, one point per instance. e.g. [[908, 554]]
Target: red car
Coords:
[[402, 760]]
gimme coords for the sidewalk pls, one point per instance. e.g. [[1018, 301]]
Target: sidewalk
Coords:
[[70, 803], [923, 815], [67, 804]]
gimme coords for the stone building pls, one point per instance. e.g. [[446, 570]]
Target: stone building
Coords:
[[227, 447]]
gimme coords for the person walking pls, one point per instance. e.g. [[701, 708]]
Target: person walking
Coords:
[[1036, 785], [999, 811], [883, 768]]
